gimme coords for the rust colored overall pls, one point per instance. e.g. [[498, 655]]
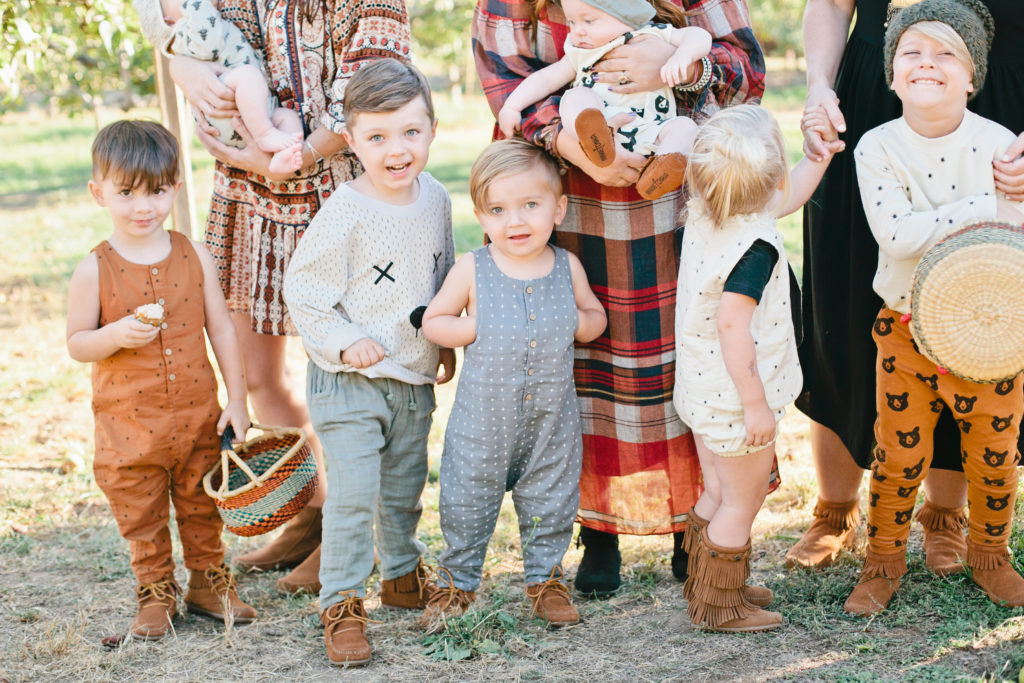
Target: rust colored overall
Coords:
[[156, 414]]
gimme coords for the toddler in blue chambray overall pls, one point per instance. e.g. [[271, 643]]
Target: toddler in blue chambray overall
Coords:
[[515, 425]]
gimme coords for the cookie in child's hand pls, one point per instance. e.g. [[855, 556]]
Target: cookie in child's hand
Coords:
[[151, 314]]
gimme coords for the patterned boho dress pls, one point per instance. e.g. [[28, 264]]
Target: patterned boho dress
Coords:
[[254, 222], [640, 469]]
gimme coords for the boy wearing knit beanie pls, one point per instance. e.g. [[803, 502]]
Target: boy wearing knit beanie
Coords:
[[646, 122], [922, 177]]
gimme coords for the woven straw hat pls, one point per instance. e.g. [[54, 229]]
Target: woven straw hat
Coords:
[[967, 302]]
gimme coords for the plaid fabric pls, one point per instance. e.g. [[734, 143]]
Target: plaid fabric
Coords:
[[640, 468]]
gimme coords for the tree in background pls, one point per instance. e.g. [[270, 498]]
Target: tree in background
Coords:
[[440, 32], [70, 55], [777, 25]]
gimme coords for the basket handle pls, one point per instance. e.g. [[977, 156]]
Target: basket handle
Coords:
[[228, 451]]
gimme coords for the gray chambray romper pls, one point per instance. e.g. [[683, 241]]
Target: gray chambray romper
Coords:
[[515, 425]]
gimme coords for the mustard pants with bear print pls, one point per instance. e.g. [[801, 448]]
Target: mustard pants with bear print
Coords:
[[910, 395]]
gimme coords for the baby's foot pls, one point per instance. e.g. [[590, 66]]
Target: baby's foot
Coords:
[[595, 137], [662, 174], [288, 160], [274, 140]]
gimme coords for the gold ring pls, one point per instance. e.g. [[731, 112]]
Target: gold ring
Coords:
[[623, 78]]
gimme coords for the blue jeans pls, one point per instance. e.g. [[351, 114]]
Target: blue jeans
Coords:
[[374, 435]]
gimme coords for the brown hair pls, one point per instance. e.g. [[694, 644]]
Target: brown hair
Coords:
[[385, 85], [509, 157], [665, 12], [133, 152]]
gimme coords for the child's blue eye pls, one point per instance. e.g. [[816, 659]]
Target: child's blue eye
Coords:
[[496, 210], [376, 138], [412, 131], [531, 205]]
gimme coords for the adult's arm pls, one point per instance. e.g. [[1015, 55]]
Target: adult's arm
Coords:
[[737, 62], [826, 26]]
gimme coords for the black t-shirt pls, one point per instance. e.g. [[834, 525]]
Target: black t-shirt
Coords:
[[751, 273]]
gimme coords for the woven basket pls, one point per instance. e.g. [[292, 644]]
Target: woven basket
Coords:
[[967, 302], [262, 483]]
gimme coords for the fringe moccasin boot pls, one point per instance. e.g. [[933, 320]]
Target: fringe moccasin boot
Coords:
[[695, 525], [945, 544], [834, 528], [718, 601], [992, 571], [879, 579]]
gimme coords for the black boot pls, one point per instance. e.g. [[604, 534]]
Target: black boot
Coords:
[[598, 573], [680, 558]]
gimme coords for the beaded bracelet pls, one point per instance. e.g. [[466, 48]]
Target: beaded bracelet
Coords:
[[700, 83]]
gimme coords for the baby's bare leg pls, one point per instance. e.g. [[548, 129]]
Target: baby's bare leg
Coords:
[[677, 135], [251, 98], [574, 101]]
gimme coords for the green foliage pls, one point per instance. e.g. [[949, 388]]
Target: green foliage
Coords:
[[68, 55], [487, 629], [440, 31], [777, 25]]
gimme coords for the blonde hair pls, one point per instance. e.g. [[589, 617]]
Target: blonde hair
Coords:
[[946, 36], [509, 157], [737, 162]]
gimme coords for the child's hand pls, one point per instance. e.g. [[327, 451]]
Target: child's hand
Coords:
[[816, 121], [131, 333], [760, 424], [1008, 211], [508, 120], [674, 71], [363, 353], [235, 413], [446, 360]]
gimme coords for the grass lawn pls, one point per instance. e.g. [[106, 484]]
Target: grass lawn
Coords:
[[65, 582]]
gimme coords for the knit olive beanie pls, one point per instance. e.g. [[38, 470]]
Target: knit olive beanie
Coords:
[[632, 13], [969, 18]]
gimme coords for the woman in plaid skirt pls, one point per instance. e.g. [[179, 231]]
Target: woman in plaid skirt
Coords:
[[640, 470]]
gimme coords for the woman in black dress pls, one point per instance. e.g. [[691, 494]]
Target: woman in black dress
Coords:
[[840, 257]]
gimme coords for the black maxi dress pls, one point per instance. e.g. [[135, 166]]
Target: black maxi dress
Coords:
[[840, 254]]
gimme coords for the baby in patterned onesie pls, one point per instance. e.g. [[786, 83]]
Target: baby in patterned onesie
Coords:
[[515, 425], [200, 32], [646, 122]]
